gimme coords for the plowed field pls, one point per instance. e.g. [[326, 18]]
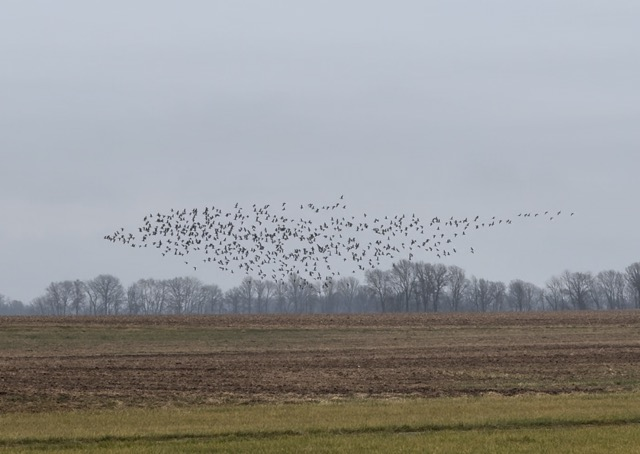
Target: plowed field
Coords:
[[83, 362]]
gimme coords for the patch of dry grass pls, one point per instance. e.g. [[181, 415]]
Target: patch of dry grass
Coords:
[[492, 423]]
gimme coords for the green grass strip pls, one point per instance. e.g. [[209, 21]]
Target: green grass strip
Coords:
[[66, 442]]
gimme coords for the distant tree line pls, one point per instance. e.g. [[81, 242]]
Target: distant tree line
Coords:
[[13, 307], [406, 287]]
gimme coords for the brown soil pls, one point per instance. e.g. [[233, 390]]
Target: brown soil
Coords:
[[63, 363]]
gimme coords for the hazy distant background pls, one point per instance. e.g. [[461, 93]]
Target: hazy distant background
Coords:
[[111, 110]]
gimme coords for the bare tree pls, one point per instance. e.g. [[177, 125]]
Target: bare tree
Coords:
[[523, 296], [481, 294], [247, 290], [264, 291], [59, 296], [150, 296], [404, 281], [212, 299], [497, 295], [134, 297], [233, 299], [473, 293], [439, 279], [578, 287], [430, 282], [328, 295], [458, 284], [41, 305], [106, 295], [280, 294], [537, 300], [610, 286], [300, 294], [183, 295], [379, 284], [486, 295], [348, 288], [633, 281], [555, 294], [78, 297], [424, 284], [517, 296]]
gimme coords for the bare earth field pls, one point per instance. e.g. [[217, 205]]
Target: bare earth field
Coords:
[[109, 362]]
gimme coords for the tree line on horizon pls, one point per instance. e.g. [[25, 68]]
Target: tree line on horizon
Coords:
[[405, 287]]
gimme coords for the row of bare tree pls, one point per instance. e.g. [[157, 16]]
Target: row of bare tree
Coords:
[[406, 287], [427, 287]]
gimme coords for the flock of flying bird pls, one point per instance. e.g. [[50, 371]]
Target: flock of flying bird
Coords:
[[308, 241]]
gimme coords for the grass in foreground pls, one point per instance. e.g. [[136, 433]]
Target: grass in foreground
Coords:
[[530, 423]]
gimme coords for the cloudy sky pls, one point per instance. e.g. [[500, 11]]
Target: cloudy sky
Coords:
[[111, 110]]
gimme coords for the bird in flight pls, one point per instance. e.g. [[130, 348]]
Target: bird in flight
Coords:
[[304, 243]]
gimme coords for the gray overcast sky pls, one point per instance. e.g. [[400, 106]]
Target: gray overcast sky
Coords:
[[111, 110]]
